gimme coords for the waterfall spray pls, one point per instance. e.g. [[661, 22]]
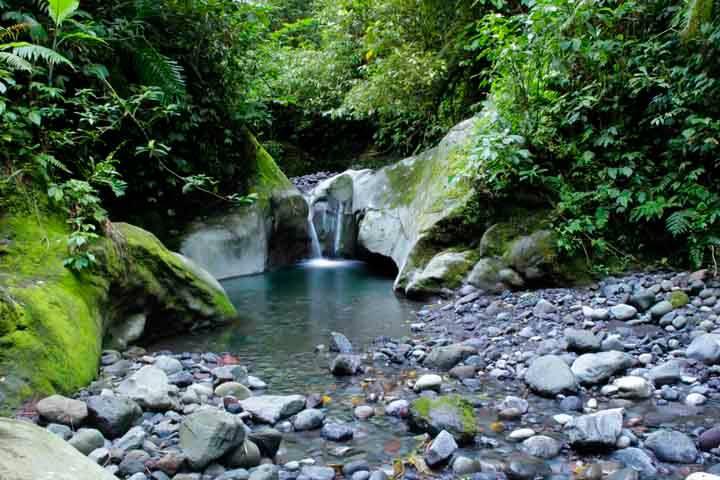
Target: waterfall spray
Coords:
[[314, 240], [338, 231]]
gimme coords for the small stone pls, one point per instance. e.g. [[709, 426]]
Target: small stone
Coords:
[[345, 365], [363, 412], [337, 432], [661, 308], [233, 389], [633, 387], [398, 408], [441, 449], [521, 434], [542, 446], [86, 440], [623, 312], [340, 343], [428, 382], [671, 446], [709, 439], [550, 375], [309, 419], [695, 399], [59, 409]]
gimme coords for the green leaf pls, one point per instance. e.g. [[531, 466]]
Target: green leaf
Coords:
[[59, 10], [35, 117]]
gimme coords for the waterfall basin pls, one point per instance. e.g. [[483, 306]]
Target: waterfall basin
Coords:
[[284, 315]]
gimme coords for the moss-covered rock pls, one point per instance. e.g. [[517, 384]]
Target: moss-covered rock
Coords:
[[445, 270], [679, 299], [450, 412], [52, 321], [249, 239]]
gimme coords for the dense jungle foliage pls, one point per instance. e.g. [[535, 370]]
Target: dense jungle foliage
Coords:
[[607, 110]]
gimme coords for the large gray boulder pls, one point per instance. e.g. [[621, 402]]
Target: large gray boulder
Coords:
[[28, 452], [209, 434], [273, 408], [149, 387], [594, 368], [549, 375]]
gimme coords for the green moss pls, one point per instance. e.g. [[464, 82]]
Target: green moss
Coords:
[[679, 299], [52, 320], [267, 175], [449, 406]]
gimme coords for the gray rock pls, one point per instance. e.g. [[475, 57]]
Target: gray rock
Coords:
[[345, 364], [633, 387], [207, 435], [247, 455], [597, 430], [309, 419], [668, 373], [522, 467], [355, 466], [112, 415], [318, 473], [642, 300], [59, 409], [149, 387], [544, 308], [550, 375], [624, 474], [398, 408], [235, 474], [265, 472], [133, 462], [268, 441], [272, 408], [168, 364], [86, 440], [132, 440], [709, 439], [705, 348], [428, 382], [594, 368], [542, 446], [465, 466], [447, 357], [638, 460], [340, 343], [62, 431], [337, 432], [581, 340], [234, 389], [661, 308], [125, 332], [231, 373], [441, 449], [672, 446], [623, 312], [28, 452]]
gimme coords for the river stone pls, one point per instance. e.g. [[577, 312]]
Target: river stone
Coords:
[[86, 440], [264, 472], [705, 348], [267, 439], [233, 389], [207, 435], [28, 452], [671, 446], [521, 467], [317, 473], [447, 357], [246, 455], [633, 387], [623, 312], [168, 364], [273, 408], [345, 364], [337, 432], [231, 373], [340, 343], [532, 256], [642, 300], [450, 412], [581, 340], [485, 275], [112, 415], [542, 446], [428, 381], [638, 460], [62, 431], [594, 368], [661, 308], [668, 373], [596, 430], [710, 439], [398, 408], [549, 375], [59, 409], [441, 449], [133, 462], [149, 387], [133, 439], [309, 419]]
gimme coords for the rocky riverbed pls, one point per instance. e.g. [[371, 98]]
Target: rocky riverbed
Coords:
[[618, 380]]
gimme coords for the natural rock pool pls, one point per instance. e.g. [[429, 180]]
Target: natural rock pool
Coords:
[[284, 315]]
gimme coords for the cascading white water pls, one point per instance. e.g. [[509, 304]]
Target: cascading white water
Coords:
[[314, 239], [338, 231]]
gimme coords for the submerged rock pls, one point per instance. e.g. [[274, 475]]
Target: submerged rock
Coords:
[[345, 364], [597, 430]]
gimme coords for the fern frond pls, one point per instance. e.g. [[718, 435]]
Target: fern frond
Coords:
[[14, 62], [32, 53], [146, 8], [155, 69], [679, 223]]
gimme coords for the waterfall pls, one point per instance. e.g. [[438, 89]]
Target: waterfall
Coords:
[[338, 231], [314, 240]]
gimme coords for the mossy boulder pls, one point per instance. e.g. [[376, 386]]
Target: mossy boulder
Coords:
[[450, 412], [445, 270], [249, 239], [679, 299], [52, 321]]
